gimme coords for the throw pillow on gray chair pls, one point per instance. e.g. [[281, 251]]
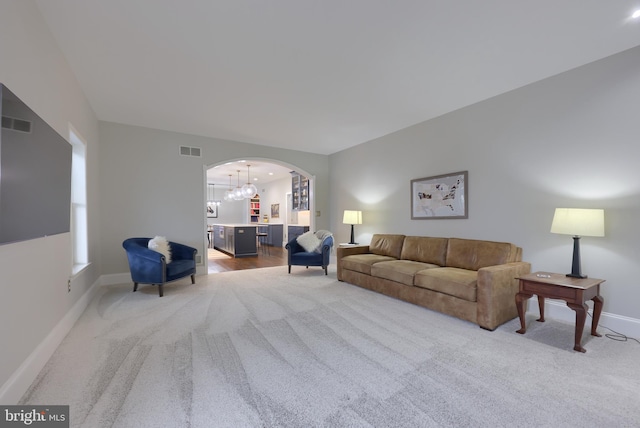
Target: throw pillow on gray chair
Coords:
[[150, 267]]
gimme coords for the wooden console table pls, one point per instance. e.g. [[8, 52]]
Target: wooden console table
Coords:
[[574, 291]]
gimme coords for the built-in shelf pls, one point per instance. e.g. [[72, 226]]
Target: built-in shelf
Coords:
[[254, 209], [299, 192]]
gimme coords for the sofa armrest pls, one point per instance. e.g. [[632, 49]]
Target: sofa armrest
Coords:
[[343, 251], [497, 289]]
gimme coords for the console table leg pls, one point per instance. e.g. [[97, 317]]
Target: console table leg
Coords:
[[581, 315], [521, 298], [597, 310], [541, 308]]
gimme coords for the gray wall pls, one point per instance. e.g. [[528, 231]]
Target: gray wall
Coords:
[[570, 140], [34, 274], [148, 189], [567, 141]]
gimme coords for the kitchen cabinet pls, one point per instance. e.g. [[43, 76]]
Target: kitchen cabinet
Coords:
[[293, 231], [274, 234], [237, 240], [254, 209], [299, 192]]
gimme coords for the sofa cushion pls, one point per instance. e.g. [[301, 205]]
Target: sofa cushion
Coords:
[[425, 249], [386, 245], [461, 283], [399, 270], [362, 262], [475, 254]]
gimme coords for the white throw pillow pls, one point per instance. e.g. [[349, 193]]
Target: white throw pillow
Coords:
[[309, 241], [161, 245], [322, 234]]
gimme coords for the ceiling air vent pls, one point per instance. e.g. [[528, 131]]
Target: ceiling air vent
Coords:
[[16, 124], [190, 151]]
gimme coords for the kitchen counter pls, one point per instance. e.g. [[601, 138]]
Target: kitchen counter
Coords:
[[237, 240]]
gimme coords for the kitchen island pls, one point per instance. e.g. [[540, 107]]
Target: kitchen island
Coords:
[[237, 240]]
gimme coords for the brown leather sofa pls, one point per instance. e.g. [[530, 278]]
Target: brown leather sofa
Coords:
[[469, 279]]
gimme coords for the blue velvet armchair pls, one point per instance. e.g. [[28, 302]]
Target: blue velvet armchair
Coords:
[[150, 267], [298, 256]]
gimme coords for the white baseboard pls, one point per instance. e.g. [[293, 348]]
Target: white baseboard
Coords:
[[115, 278], [125, 277], [20, 381], [618, 323]]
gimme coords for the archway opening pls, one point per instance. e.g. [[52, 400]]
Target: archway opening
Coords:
[[276, 208]]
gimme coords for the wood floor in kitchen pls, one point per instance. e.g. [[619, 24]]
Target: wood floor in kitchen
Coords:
[[267, 257]]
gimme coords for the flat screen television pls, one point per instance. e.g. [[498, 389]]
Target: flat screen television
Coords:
[[35, 174]]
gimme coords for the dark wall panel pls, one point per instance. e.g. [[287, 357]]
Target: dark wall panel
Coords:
[[35, 174]]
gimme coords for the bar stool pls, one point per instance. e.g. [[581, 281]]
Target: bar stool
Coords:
[[262, 241]]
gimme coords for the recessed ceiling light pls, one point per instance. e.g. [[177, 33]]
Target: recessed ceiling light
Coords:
[[636, 14]]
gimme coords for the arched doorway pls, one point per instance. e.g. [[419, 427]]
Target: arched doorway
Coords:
[[273, 180]]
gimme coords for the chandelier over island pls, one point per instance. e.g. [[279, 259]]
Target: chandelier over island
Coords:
[[247, 191]]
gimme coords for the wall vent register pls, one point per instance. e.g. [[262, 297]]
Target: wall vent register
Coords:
[[16, 124], [190, 151]]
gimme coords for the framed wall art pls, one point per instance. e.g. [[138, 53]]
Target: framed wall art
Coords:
[[212, 209], [440, 197], [275, 210]]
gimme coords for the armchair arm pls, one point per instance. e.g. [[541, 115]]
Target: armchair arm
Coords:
[[497, 288], [182, 252], [144, 253], [326, 250], [146, 266], [293, 246]]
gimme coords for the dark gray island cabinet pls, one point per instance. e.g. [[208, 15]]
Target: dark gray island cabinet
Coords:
[[237, 240], [274, 233]]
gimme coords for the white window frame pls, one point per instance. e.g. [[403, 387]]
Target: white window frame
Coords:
[[79, 226]]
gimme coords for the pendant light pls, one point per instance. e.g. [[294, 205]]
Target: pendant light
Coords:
[[237, 193], [228, 195], [249, 190]]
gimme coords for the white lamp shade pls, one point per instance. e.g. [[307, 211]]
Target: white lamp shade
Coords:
[[352, 217], [578, 222]]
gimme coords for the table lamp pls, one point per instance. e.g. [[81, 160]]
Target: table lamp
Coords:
[[352, 217], [578, 222]]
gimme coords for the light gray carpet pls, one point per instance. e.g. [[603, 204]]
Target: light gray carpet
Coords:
[[261, 348]]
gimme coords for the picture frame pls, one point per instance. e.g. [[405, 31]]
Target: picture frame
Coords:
[[440, 196], [212, 210], [275, 210]]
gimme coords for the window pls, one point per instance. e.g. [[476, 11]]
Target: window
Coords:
[[79, 239]]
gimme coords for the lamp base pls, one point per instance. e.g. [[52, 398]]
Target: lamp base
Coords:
[[576, 275], [352, 238], [576, 269]]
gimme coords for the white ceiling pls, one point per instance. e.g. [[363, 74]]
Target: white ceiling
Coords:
[[320, 75], [258, 173]]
